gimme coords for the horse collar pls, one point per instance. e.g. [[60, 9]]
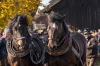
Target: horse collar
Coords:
[[11, 50]]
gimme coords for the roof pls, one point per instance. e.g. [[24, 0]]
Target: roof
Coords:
[[53, 2]]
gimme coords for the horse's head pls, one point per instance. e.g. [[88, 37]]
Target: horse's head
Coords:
[[18, 28], [56, 30]]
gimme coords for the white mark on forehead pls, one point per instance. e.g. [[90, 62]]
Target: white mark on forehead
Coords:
[[19, 25], [54, 25]]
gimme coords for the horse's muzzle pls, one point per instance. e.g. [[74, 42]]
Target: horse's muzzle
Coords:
[[23, 48]]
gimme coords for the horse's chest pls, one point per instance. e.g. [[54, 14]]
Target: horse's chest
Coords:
[[64, 60], [15, 61]]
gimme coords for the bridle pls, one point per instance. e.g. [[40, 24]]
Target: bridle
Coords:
[[21, 38], [64, 42], [16, 39], [58, 39]]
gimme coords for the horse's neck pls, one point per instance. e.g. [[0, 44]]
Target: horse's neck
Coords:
[[65, 29]]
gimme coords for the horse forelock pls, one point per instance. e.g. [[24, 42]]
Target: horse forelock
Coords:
[[22, 19], [16, 20], [54, 16]]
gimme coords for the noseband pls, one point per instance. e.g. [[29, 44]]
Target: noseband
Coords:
[[53, 39], [20, 38], [22, 48]]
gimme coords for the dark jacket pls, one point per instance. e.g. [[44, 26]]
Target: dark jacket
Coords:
[[3, 51], [91, 48]]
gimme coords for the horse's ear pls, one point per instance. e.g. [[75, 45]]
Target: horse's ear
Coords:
[[62, 17]]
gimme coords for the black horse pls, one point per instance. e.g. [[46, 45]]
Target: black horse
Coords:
[[23, 50], [64, 48]]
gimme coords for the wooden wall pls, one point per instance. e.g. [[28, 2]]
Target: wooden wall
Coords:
[[80, 13]]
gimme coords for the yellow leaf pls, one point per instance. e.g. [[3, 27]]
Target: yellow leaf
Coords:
[[8, 8]]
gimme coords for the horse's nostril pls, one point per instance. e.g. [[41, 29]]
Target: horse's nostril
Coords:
[[54, 47], [21, 48]]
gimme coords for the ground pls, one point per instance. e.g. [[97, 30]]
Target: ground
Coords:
[[97, 61]]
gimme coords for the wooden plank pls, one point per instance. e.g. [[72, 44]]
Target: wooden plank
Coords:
[[80, 13]]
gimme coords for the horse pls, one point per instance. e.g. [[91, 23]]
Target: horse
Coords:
[[23, 49], [64, 48]]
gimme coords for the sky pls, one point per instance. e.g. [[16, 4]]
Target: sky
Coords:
[[45, 2]]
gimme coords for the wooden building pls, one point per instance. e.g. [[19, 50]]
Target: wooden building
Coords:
[[41, 21], [79, 13]]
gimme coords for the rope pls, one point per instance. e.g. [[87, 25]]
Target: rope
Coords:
[[37, 61], [15, 53]]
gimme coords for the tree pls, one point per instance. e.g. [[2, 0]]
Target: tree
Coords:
[[9, 8]]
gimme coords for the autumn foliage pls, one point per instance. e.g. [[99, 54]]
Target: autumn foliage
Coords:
[[9, 8]]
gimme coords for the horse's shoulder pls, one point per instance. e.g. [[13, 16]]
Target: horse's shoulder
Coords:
[[78, 38], [76, 34]]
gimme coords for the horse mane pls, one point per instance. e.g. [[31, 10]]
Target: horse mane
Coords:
[[65, 26], [55, 16], [22, 20]]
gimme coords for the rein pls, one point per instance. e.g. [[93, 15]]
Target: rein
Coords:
[[63, 39]]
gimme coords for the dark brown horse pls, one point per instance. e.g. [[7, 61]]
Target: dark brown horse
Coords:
[[23, 50], [64, 48]]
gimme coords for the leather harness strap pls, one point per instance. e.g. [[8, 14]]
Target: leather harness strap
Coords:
[[76, 52]]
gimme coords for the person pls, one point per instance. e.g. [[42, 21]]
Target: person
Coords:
[[91, 48], [0, 34], [3, 51], [33, 33], [94, 33], [80, 31], [98, 35]]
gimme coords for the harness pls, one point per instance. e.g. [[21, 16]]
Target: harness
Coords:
[[32, 50], [63, 48], [77, 53]]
